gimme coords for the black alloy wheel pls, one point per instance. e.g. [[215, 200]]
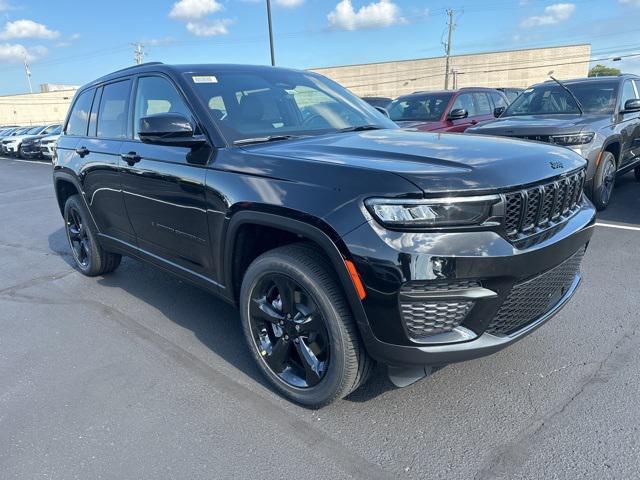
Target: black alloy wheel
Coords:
[[78, 238], [289, 331], [299, 326], [89, 256]]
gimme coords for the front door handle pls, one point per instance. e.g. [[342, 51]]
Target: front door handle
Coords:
[[131, 158], [82, 151]]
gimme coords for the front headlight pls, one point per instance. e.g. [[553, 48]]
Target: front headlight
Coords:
[[434, 213], [573, 139]]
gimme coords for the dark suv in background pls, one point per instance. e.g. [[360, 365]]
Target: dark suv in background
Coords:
[[446, 111], [341, 238], [597, 117]]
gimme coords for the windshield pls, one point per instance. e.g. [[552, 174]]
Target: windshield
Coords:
[[20, 131], [33, 131], [426, 108], [263, 103], [595, 97]]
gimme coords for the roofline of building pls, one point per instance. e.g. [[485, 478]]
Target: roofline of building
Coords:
[[39, 93], [453, 56]]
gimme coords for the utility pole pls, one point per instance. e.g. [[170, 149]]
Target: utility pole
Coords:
[[447, 47], [273, 55], [138, 53], [27, 72]]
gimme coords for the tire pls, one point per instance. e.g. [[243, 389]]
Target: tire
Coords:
[[604, 181], [20, 153], [345, 364], [636, 172], [90, 258]]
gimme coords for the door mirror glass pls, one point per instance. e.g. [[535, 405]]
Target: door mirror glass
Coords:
[[498, 111], [458, 114], [632, 105], [171, 129]]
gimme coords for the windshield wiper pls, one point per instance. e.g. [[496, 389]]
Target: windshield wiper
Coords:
[[575, 99], [268, 138], [360, 128]]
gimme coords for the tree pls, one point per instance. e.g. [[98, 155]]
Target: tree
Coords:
[[602, 71]]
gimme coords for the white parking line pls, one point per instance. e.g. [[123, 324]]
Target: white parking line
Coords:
[[28, 161], [621, 227]]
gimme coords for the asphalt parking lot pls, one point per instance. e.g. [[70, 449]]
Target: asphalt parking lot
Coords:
[[139, 375]]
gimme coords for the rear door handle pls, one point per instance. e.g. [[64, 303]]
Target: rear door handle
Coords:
[[82, 151], [131, 158]]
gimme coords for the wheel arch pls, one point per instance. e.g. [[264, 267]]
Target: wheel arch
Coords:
[[613, 146], [320, 234], [66, 185]]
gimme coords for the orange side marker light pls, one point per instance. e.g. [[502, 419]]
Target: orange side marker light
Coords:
[[355, 278]]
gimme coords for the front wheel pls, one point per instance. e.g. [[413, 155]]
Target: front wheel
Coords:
[[604, 181], [299, 327]]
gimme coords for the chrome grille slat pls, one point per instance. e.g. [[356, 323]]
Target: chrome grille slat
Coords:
[[533, 210]]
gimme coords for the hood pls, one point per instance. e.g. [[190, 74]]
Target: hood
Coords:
[[18, 138], [435, 162], [423, 126], [50, 138], [538, 125]]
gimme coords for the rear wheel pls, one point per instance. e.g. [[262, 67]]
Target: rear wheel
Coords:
[[90, 258], [604, 181], [299, 328]]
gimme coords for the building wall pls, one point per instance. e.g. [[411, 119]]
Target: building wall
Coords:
[[517, 68], [35, 108]]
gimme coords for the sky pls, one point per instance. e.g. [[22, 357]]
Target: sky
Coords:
[[74, 42]]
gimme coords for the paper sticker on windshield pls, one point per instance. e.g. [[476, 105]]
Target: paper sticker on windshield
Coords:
[[205, 79]]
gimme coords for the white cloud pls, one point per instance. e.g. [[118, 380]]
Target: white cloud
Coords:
[[556, 13], [289, 3], [194, 9], [383, 13], [209, 28], [635, 3], [16, 53], [26, 29]]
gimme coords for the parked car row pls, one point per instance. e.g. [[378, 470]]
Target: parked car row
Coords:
[[29, 142]]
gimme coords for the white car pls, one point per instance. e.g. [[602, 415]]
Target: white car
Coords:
[[48, 145], [11, 145]]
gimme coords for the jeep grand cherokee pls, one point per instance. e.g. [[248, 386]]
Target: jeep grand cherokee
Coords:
[[342, 239]]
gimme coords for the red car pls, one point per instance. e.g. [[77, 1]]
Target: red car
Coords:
[[447, 110]]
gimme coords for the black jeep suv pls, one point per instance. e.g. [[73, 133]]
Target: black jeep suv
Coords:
[[341, 238], [597, 117]]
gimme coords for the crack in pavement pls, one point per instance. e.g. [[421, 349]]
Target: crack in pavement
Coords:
[[513, 454]]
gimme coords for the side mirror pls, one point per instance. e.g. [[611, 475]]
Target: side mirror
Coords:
[[498, 111], [632, 105], [383, 111], [457, 114], [171, 129]]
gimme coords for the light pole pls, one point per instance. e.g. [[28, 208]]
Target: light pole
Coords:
[[273, 55]]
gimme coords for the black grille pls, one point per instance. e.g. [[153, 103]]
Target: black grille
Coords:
[[531, 299], [530, 211], [425, 317], [537, 138]]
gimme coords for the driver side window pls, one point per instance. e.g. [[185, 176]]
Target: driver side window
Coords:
[[157, 95], [465, 100]]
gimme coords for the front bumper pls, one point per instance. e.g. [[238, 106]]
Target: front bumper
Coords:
[[10, 149], [30, 151], [389, 261]]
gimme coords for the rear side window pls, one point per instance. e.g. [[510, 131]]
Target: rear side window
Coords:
[[79, 118], [483, 107], [157, 95], [112, 115], [498, 100]]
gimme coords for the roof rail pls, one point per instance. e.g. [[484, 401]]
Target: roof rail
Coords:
[[136, 66]]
